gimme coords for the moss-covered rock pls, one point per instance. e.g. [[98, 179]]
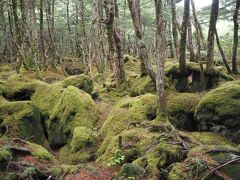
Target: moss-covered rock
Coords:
[[5, 156], [21, 119], [181, 109], [39, 152], [129, 170], [142, 85], [218, 111], [74, 108], [202, 159], [82, 82], [82, 137], [126, 112]]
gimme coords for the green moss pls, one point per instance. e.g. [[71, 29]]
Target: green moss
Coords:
[[22, 119], [177, 173], [127, 111], [74, 108], [141, 86], [69, 157], [58, 171], [5, 156], [82, 82], [39, 152], [82, 137], [181, 108], [219, 110]]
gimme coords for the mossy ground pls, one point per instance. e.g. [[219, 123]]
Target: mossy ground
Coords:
[[91, 119]]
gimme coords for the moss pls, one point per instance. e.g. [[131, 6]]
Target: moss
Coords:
[[127, 111], [69, 157], [5, 156], [74, 108], [141, 86], [82, 137], [39, 152], [58, 171], [130, 170], [201, 158], [21, 118], [219, 110], [181, 108], [82, 82]]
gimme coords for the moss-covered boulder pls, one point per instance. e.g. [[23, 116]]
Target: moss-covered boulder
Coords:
[[21, 119], [82, 137], [203, 159], [82, 82], [126, 112], [218, 111], [181, 109], [141, 85], [74, 108], [5, 156]]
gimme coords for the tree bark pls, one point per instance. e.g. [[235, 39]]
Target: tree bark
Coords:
[[146, 67], [190, 42], [211, 32], [235, 38], [222, 53], [174, 28], [161, 55], [42, 44], [182, 60]]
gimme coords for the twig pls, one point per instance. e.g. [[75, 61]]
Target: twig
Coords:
[[213, 170], [178, 136]]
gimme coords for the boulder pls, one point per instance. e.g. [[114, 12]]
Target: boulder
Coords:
[[218, 111], [181, 109]]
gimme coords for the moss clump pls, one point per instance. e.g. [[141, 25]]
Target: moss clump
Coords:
[[5, 156], [127, 111], [39, 152], [74, 108], [201, 158], [58, 171], [22, 119], [141, 86], [181, 108], [219, 111], [82, 82], [82, 137], [73, 158]]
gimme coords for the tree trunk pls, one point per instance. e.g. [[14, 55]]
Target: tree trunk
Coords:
[[174, 28], [161, 55], [190, 42], [222, 53], [42, 44], [235, 38], [182, 63], [146, 67], [113, 40], [211, 32]]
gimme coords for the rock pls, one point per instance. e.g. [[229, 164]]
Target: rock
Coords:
[[21, 119], [81, 82], [218, 111], [130, 170], [126, 113], [181, 109], [5, 156], [74, 108], [202, 159], [82, 137]]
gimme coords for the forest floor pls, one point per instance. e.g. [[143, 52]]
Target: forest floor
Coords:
[[150, 148]]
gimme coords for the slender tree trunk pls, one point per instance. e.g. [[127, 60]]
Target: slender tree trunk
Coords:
[[211, 32], [146, 67], [190, 42], [42, 44], [182, 62], [174, 28], [199, 33], [161, 55], [222, 53], [235, 38], [113, 41]]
